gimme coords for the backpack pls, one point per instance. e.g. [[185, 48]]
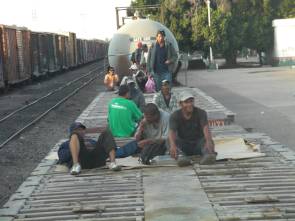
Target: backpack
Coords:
[[150, 151], [150, 86]]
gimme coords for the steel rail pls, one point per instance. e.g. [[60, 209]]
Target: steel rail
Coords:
[[47, 111], [47, 95]]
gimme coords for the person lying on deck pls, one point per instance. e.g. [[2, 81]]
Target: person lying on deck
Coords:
[[189, 132], [83, 153]]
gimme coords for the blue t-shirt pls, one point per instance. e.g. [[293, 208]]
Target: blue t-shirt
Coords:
[[161, 57]]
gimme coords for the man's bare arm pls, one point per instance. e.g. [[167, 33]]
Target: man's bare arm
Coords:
[[209, 144], [172, 142]]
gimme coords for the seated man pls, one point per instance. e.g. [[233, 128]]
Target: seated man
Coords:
[[153, 129], [189, 131], [123, 114], [82, 152], [165, 99], [135, 94], [111, 79]]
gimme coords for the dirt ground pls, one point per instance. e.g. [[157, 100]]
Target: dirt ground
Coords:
[[18, 158]]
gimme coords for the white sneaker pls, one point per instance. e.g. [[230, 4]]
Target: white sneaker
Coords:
[[76, 169], [114, 167]]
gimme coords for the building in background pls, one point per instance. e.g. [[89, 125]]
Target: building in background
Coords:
[[284, 43]]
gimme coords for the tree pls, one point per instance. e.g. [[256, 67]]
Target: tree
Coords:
[[234, 23], [154, 14], [224, 35], [177, 17]]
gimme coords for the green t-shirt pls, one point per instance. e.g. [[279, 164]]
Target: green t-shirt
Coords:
[[123, 115]]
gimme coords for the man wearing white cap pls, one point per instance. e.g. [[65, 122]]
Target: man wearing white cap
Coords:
[[189, 131]]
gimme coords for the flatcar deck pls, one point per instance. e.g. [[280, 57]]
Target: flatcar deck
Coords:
[[252, 189]]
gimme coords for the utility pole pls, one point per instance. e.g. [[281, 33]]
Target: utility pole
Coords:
[[209, 24]]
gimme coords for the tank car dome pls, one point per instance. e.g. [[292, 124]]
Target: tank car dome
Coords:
[[125, 40]]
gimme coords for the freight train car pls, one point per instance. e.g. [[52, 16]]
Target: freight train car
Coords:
[[26, 55], [125, 39], [2, 85], [16, 59]]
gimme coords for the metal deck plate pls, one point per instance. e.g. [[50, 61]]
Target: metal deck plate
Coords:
[[116, 195]]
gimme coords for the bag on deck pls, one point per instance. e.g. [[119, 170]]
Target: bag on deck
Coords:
[[150, 151], [150, 86]]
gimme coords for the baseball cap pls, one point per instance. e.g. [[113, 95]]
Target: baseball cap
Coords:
[[185, 95], [133, 67], [164, 82], [162, 32], [75, 126]]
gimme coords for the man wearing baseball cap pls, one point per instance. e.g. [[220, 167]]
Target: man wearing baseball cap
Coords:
[[85, 153], [189, 131]]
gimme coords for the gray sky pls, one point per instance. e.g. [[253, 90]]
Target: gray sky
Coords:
[[87, 18]]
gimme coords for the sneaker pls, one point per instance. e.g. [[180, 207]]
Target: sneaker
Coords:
[[76, 169], [208, 159], [114, 167]]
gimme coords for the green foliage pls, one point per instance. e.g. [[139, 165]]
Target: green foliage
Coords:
[[286, 9], [177, 17], [152, 13], [235, 24]]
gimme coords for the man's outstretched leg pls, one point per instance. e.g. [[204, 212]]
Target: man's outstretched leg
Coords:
[[75, 149], [107, 144]]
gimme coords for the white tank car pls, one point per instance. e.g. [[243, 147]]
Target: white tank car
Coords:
[[124, 42]]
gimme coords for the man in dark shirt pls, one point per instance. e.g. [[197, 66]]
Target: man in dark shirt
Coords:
[[161, 60], [189, 131]]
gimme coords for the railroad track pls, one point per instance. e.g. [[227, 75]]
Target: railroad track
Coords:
[[16, 122]]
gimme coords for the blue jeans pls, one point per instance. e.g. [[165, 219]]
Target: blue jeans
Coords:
[[127, 150], [159, 77]]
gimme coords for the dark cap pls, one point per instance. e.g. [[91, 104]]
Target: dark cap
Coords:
[[162, 32], [123, 90], [75, 126]]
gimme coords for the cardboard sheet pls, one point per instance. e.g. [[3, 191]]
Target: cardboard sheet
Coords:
[[235, 148]]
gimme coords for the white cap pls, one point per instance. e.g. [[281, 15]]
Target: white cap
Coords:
[[184, 95], [133, 67]]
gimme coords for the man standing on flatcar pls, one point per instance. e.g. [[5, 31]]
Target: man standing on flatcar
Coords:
[[161, 59]]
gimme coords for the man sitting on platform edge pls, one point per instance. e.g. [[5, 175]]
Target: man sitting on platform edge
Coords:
[[189, 132]]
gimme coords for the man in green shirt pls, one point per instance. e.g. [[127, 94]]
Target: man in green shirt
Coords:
[[123, 114]]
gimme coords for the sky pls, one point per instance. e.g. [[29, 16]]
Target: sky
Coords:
[[89, 19]]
